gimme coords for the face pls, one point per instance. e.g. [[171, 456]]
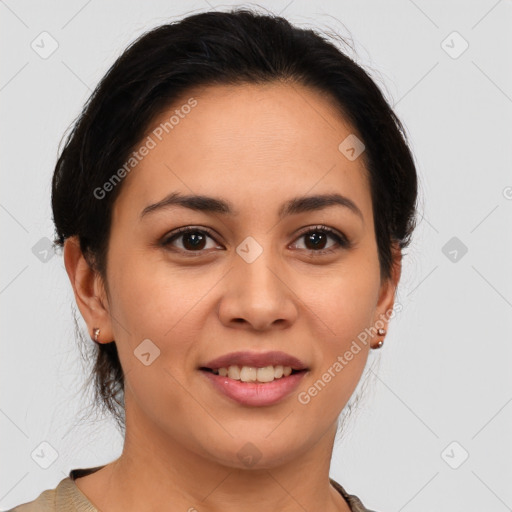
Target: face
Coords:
[[303, 280]]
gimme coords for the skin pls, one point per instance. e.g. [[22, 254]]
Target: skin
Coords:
[[255, 146]]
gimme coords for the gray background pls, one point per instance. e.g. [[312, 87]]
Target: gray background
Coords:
[[443, 375]]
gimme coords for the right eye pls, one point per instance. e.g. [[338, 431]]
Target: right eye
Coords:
[[192, 239]]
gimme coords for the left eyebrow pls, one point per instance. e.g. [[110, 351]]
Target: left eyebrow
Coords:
[[317, 202], [215, 205]]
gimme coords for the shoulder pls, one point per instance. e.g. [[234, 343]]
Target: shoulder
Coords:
[[66, 497], [353, 501]]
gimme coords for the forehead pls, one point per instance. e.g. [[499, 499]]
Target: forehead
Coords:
[[254, 143]]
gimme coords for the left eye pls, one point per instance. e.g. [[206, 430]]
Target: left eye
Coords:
[[317, 237], [194, 239]]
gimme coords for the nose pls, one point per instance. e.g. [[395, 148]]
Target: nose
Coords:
[[258, 295]]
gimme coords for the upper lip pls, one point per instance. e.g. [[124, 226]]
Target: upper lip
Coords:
[[255, 359]]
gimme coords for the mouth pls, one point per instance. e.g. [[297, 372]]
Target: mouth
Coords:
[[252, 374], [243, 385], [255, 378]]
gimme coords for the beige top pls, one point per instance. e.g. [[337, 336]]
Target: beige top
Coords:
[[67, 497]]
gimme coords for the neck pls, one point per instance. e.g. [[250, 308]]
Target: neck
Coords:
[[156, 471]]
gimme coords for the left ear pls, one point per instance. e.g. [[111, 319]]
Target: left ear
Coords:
[[388, 288]]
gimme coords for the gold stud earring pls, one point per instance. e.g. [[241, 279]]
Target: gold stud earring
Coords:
[[96, 333]]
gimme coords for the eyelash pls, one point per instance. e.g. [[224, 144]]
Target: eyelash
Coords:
[[340, 239]]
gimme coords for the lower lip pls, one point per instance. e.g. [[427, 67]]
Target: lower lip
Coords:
[[253, 393]]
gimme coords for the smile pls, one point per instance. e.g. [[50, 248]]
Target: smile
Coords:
[[243, 384]]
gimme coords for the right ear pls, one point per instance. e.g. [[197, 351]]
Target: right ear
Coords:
[[89, 291]]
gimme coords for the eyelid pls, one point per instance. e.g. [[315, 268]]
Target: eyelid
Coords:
[[175, 234], [323, 228], [342, 241]]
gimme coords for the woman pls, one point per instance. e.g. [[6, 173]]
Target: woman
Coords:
[[233, 204]]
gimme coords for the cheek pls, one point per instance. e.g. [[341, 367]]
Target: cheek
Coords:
[[352, 313], [341, 353], [151, 300], [149, 295], [345, 310], [346, 300]]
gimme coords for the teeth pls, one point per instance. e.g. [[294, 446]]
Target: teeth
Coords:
[[233, 372], [253, 374], [248, 374]]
